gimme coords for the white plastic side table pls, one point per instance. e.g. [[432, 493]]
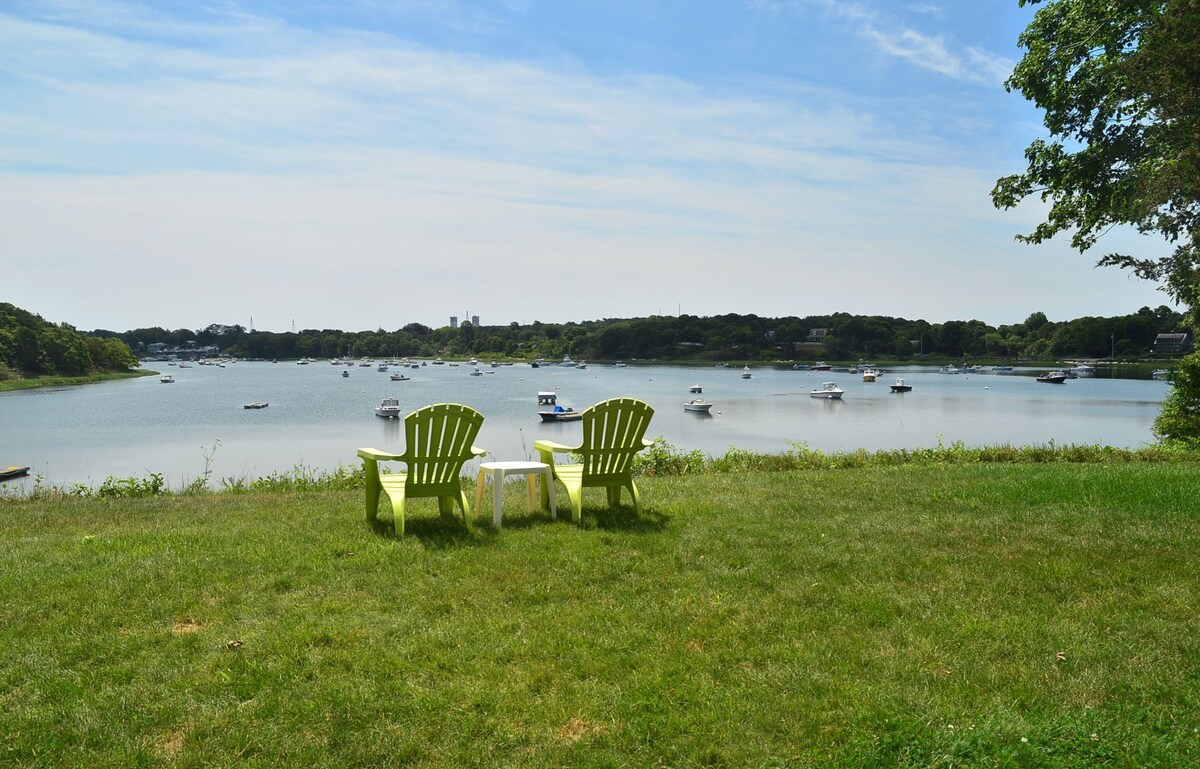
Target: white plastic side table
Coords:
[[499, 470]]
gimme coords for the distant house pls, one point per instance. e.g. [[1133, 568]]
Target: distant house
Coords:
[[1168, 343], [816, 335]]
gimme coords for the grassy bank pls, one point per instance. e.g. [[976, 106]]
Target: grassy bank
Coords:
[[29, 383], [922, 615]]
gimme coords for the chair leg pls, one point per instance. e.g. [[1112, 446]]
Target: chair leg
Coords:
[[466, 509], [398, 516], [575, 494], [547, 488], [479, 490], [371, 481], [637, 499]]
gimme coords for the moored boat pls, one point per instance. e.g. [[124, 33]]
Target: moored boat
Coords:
[[828, 391], [256, 405], [698, 406], [560, 414], [13, 471], [389, 408], [1053, 377], [900, 387], [167, 379], [695, 389], [746, 373]]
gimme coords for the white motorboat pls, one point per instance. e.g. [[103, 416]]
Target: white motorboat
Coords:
[[398, 378], [389, 408], [167, 379], [698, 406], [870, 374], [900, 387], [828, 391], [547, 398], [1053, 377], [695, 389], [950, 369], [566, 362], [746, 373]]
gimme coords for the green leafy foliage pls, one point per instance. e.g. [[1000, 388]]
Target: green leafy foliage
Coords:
[[1117, 84], [31, 345], [1179, 421]]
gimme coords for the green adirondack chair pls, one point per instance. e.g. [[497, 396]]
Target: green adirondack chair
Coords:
[[613, 431], [438, 440]]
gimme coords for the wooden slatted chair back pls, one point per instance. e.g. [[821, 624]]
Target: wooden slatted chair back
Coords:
[[612, 434], [438, 441]]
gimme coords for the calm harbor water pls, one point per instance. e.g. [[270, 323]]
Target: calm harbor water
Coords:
[[317, 418]]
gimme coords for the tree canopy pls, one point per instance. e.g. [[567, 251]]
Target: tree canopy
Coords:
[[30, 344], [1119, 82]]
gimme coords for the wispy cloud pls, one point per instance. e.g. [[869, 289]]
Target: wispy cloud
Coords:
[[892, 35], [304, 156]]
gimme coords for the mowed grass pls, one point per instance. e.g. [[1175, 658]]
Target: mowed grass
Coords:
[[973, 615]]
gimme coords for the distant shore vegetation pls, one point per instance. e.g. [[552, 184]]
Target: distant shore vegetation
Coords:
[[840, 336]]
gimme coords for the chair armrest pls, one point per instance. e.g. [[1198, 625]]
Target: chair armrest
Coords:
[[647, 443], [379, 456], [475, 450], [553, 447], [546, 450]]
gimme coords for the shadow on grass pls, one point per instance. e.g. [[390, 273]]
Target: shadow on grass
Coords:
[[443, 532], [436, 532], [623, 518]]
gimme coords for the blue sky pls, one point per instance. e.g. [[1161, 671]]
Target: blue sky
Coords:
[[362, 164]]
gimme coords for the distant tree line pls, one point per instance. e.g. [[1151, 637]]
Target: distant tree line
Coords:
[[688, 337], [32, 346]]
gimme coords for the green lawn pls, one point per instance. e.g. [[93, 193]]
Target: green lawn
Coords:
[[971, 615]]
